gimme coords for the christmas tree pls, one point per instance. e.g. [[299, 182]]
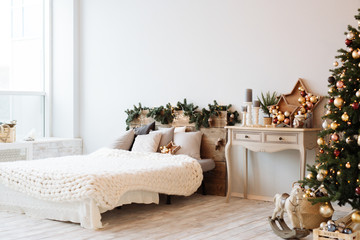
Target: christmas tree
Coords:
[[336, 173]]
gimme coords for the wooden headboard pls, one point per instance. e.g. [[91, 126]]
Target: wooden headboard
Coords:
[[212, 146]]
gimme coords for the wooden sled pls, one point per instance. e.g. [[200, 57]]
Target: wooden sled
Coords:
[[285, 232]]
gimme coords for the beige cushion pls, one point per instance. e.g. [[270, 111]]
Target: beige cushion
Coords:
[[180, 129], [167, 135], [125, 140], [189, 142], [147, 143]]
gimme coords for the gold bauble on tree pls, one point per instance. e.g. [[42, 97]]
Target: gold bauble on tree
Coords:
[[334, 125], [338, 102], [320, 141], [326, 210], [355, 54], [336, 64], [345, 117], [301, 100], [355, 217]]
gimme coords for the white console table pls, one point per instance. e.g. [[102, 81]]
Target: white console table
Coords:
[[267, 140], [40, 148]]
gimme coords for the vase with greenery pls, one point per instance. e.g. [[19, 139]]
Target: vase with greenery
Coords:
[[268, 99]]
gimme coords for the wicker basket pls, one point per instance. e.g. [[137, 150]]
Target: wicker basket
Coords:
[[7, 134], [310, 214]]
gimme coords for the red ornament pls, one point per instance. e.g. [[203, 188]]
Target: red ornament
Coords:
[[309, 105], [348, 42], [303, 93], [335, 137], [336, 152], [321, 151], [357, 191], [355, 105], [275, 120], [287, 121], [331, 100]]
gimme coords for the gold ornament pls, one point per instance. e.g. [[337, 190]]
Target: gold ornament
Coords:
[[355, 54], [350, 35], [355, 217], [313, 99], [326, 210], [357, 93], [281, 117], [347, 165], [301, 100], [328, 112], [323, 172], [287, 114], [302, 110], [309, 176], [338, 102], [345, 117], [336, 64], [334, 125], [348, 140], [320, 141], [331, 90]]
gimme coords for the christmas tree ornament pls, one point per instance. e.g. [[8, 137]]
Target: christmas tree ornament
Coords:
[[309, 176], [320, 177], [338, 102], [334, 125], [359, 166], [313, 99], [340, 84], [323, 172], [309, 105], [326, 210], [281, 117], [357, 94], [287, 121], [301, 89], [328, 112], [347, 231], [331, 100], [355, 105], [350, 36], [342, 224], [287, 114], [358, 141], [303, 110], [274, 111], [323, 226], [321, 151], [331, 227], [303, 93], [338, 173], [355, 217], [349, 49], [347, 165], [320, 141], [325, 125], [348, 140], [335, 137], [345, 117], [331, 80], [336, 152], [336, 64], [348, 42], [357, 190], [355, 54], [301, 100], [275, 120], [331, 90]]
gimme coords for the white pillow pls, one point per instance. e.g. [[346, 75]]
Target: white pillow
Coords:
[[180, 129], [167, 135], [147, 143], [190, 143]]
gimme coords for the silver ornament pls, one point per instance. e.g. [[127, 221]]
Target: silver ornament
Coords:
[[350, 35], [357, 93], [358, 141], [323, 225], [325, 125], [320, 177], [359, 166], [348, 140]]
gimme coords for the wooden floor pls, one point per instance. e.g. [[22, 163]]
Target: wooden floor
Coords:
[[195, 217]]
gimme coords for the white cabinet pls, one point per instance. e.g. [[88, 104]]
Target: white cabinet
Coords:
[[41, 148]]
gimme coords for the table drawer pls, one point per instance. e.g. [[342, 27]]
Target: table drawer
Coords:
[[244, 136], [281, 138]]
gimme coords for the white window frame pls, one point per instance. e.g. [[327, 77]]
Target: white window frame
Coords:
[[47, 71]]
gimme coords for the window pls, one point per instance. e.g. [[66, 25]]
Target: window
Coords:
[[23, 71]]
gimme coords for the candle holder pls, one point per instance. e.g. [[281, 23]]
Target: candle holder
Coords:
[[243, 116], [256, 116], [248, 114]]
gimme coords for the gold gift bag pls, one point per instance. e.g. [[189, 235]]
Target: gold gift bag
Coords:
[[7, 134]]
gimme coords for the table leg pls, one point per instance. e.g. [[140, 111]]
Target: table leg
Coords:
[[228, 165], [302, 162], [245, 176]]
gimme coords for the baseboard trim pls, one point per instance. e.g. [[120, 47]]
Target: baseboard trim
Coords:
[[253, 197]]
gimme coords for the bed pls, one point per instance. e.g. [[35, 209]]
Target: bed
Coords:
[[80, 188]]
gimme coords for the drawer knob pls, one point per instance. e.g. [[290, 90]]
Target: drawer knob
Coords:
[[280, 138], [246, 136]]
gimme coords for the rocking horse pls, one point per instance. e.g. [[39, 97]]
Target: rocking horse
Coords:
[[290, 204]]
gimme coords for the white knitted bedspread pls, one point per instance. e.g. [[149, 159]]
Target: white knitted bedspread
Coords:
[[104, 176]]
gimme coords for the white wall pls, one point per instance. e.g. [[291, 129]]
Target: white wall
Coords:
[[161, 51]]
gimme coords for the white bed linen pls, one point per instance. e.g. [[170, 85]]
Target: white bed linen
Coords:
[[84, 212]]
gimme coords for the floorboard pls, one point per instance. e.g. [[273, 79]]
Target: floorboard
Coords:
[[194, 217]]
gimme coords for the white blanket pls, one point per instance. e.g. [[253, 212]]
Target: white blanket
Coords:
[[103, 176]]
